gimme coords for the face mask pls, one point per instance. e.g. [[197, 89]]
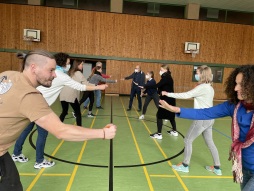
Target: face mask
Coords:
[[66, 69], [161, 73], [147, 76], [197, 77], [136, 70]]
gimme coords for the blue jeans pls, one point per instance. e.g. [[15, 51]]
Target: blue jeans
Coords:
[[248, 181], [97, 94], [40, 143]]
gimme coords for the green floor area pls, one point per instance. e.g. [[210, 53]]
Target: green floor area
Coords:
[[139, 162]]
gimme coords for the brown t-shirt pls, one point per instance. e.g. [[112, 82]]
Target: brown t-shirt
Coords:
[[20, 103]]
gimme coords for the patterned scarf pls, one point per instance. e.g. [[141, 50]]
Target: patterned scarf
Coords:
[[235, 153]]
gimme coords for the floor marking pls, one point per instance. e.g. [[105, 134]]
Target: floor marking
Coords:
[[165, 156], [138, 150], [73, 174]]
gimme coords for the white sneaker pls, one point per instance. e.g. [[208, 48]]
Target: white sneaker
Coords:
[[142, 117], [173, 133], [73, 114], [156, 136], [19, 158], [44, 164]]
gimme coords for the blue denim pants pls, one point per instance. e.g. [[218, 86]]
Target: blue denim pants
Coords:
[[248, 180], [97, 94], [40, 143]]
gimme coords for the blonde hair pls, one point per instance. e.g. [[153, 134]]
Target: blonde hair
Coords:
[[206, 76]]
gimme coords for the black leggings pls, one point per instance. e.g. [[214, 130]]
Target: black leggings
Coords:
[[90, 95], [9, 174], [160, 123], [75, 106]]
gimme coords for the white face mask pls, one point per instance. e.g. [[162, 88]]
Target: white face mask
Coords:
[[136, 70], [161, 72], [67, 68], [197, 77], [147, 76]]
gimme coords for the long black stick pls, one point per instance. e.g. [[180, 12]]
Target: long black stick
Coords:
[[111, 155]]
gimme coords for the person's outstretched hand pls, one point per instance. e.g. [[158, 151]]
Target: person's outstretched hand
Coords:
[[109, 131], [171, 108]]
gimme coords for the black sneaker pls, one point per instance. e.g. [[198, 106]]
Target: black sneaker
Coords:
[[99, 107], [128, 109], [85, 107], [90, 115], [139, 109]]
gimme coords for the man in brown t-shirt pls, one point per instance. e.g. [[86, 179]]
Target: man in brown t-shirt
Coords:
[[17, 97]]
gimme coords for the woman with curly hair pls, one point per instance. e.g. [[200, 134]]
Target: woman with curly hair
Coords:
[[240, 106]]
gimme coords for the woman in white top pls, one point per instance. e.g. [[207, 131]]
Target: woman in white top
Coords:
[[203, 95], [71, 96]]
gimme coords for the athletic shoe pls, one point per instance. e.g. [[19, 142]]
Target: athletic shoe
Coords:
[[44, 164], [99, 107], [128, 109], [214, 170], [85, 107], [90, 115], [142, 117], [181, 168], [173, 133], [73, 114], [139, 109], [156, 136], [19, 158]]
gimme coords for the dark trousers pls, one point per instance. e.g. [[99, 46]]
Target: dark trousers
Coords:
[[75, 106], [10, 180], [135, 91], [160, 123], [154, 97], [90, 95]]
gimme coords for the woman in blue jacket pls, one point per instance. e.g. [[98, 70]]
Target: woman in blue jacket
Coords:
[[240, 106]]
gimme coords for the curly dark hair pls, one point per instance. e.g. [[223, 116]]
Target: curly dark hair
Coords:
[[61, 58], [247, 84]]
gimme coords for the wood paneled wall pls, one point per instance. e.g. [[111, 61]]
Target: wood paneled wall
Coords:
[[125, 36], [182, 75], [120, 35]]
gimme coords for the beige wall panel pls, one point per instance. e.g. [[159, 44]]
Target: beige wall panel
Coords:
[[129, 36], [5, 61], [113, 67]]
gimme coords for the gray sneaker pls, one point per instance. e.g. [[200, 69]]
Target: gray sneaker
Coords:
[[19, 158], [156, 136], [44, 164]]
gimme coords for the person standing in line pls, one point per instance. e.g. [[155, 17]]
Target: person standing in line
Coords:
[[165, 84], [38, 69], [95, 78], [151, 93], [138, 79], [239, 106], [203, 95], [97, 92], [50, 94], [71, 96]]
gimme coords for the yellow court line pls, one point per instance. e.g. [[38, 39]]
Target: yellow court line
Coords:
[[53, 154], [203, 177], [73, 174], [56, 174], [138, 150], [165, 156]]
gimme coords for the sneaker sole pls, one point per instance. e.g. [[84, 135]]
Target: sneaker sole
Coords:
[[17, 160], [155, 138], [180, 170]]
